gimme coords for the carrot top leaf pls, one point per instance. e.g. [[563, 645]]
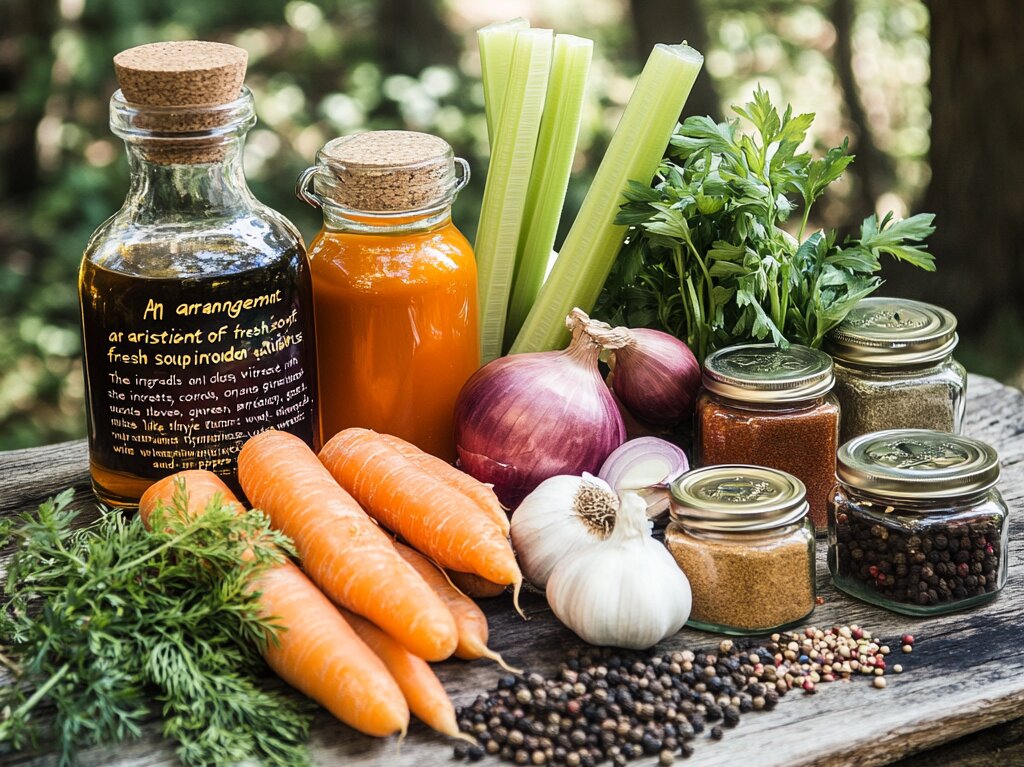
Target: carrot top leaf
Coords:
[[110, 626]]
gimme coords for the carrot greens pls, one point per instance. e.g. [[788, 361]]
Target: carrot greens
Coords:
[[101, 618], [708, 258]]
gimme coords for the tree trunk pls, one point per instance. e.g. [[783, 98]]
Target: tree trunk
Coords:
[[655, 21], [977, 163], [872, 171], [25, 30], [411, 35]]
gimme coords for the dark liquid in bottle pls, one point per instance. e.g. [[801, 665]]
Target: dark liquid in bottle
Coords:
[[181, 371]]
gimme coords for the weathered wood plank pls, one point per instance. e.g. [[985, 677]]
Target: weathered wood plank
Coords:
[[965, 674]]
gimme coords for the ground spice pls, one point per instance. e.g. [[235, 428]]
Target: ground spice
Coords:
[[873, 400], [747, 582], [766, 406], [619, 706], [802, 442]]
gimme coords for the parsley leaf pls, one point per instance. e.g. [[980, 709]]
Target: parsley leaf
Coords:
[[707, 257]]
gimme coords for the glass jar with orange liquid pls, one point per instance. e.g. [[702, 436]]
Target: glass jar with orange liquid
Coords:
[[394, 286]]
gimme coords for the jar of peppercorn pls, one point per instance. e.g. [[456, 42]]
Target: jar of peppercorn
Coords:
[[894, 368], [772, 407], [742, 537], [916, 523]]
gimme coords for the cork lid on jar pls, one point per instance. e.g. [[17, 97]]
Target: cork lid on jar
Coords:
[[389, 171], [765, 373], [890, 332], [175, 88]]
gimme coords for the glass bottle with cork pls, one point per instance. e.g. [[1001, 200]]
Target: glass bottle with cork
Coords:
[[394, 284], [196, 299]]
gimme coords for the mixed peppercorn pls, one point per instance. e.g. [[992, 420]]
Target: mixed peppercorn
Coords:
[[610, 705], [943, 562]]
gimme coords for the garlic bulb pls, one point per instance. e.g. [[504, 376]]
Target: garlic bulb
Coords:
[[626, 591], [563, 515]]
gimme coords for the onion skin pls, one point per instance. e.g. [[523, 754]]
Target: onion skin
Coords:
[[524, 418], [656, 378]]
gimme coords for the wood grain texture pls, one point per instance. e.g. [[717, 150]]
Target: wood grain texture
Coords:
[[966, 673]]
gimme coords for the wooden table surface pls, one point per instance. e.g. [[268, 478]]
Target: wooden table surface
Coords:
[[966, 672]]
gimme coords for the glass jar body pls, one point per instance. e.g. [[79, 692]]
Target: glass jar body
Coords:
[[918, 559], [197, 316], [396, 310], [746, 582], [799, 437], [931, 396]]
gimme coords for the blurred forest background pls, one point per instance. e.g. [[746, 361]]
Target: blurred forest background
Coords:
[[929, 92]]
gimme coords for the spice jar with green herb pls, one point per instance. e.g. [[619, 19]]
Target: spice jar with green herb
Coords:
[[767, 406], [916, 524], [894, 368], [742, 537]]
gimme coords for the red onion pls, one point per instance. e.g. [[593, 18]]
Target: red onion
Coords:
[[646, 465], [656, 377], [527, 417]]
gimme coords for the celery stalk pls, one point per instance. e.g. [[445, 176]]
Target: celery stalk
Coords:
[[508, 179], [549, 179], [497, 42], [594, 240]]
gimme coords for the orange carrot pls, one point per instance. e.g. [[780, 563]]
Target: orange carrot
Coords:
[[426, 512], [317, 652], [342, 550], [474, 586], [423, 691], [469, 618], [482, 495]]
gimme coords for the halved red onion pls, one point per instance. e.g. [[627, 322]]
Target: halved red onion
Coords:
[[646, 465]]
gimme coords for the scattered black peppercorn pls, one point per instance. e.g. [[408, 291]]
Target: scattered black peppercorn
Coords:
[[606, 705]]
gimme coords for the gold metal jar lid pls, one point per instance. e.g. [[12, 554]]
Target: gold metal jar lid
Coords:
[[767, 373], [737, 498], [917, 464], [891, 332]]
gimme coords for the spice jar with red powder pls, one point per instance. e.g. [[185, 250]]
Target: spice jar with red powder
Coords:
[[773, 407]]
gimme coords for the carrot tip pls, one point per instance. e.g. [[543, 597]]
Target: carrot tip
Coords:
[[496, 657], [516, 588], [458, 735]]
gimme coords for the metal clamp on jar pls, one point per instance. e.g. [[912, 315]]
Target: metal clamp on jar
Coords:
[[916, 524], [742, 537], [894, 368]]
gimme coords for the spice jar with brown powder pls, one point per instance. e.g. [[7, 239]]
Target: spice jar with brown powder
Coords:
[[742, 537], [766, 406]]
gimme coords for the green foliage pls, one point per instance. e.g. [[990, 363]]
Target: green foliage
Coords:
[[708, 258], [100, 621]]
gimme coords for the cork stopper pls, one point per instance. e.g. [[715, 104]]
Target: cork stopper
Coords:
[[181, 87], [387, 171]]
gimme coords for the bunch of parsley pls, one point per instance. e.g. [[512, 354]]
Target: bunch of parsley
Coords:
[[106, 626], [707, 258]]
